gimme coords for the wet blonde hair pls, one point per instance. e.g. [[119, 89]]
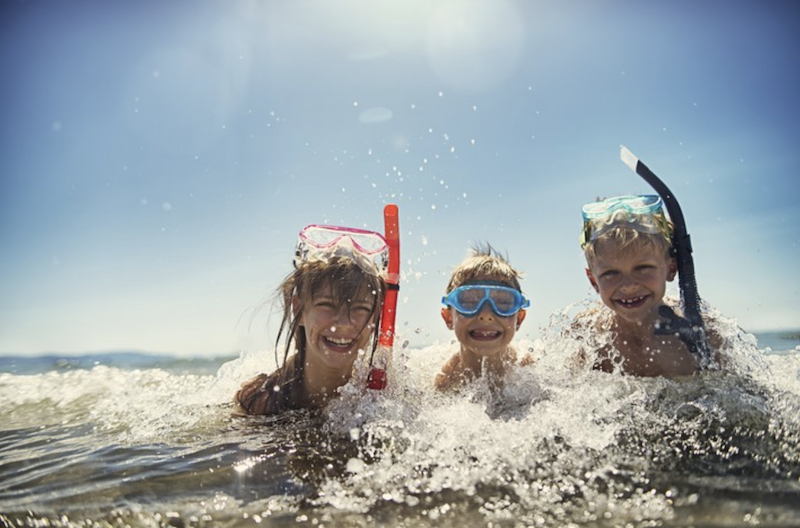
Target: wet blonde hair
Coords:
[[628, 239], [484, 261], [342, 277]]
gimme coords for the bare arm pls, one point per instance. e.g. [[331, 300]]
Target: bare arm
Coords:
[[254, 395], [460, 369], [453, 374]]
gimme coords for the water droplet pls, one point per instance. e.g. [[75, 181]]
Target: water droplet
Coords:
[[355, 465]]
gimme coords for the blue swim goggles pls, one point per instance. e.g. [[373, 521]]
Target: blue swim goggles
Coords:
[[469, 299]]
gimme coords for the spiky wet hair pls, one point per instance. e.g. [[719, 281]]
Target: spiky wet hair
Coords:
[[484, 261]]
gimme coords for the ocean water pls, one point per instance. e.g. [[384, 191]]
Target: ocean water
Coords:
[[137, 440]]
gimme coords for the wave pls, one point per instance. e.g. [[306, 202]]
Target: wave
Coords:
[[156, 443]]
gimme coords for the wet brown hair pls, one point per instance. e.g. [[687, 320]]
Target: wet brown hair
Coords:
[[343, 278]]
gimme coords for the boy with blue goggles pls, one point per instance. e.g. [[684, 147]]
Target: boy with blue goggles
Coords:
[[484, 335], [469, 299]]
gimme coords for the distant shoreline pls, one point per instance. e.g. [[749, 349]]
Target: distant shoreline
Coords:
[[776, 340]]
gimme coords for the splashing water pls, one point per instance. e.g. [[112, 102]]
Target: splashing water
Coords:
[[556, 445]]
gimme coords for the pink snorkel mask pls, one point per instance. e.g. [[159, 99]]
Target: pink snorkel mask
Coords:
[[322, 242]]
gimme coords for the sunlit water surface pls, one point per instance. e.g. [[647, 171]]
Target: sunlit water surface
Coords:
[[136, 441]]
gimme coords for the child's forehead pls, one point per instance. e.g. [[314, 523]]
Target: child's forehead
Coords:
[[612, 249], [332, 290]]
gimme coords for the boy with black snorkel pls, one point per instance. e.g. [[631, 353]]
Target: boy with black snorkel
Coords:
[[632, 250], [484, 306]]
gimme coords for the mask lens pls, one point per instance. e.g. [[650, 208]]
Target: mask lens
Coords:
[[368, 242], [468, 299], [505, 301]]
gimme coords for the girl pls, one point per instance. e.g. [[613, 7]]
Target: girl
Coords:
[[331, 310]]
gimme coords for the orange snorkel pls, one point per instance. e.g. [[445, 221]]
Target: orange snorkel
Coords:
[[377, 374]]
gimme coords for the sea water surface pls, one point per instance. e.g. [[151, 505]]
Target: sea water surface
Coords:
[[137, 440]]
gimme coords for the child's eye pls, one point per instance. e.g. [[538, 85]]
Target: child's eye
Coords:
[[610, 274], [361, 308]]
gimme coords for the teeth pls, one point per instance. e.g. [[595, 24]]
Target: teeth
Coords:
[[339, 340], [631, 301]]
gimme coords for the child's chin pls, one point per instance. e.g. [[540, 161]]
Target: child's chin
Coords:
[[633, 316], [488, 349]]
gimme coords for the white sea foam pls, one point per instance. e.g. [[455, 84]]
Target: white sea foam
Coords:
[[558, 444]]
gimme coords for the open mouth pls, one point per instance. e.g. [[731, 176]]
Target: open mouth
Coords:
[[341, 344], [633, 302], [484, 335]]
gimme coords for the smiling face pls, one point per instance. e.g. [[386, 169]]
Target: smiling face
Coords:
[[631, 279], [336, 329], [484, 334]]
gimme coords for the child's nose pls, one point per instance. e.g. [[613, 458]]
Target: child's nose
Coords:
[[486, 312], [627, 282], [343, 317]]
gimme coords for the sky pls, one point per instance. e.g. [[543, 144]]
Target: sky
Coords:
[[158, 159]]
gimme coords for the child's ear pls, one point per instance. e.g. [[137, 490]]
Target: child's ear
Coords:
[[672, 269], [591, 278], [521, 317], [448, 317]]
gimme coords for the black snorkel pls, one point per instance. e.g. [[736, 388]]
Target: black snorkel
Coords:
[[691, 329]]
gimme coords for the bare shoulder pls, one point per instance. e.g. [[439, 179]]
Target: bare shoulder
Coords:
[[252, 396], [527, 359], [716, 340], [591, 329], [449, 376], [510, 355], [454, 374], [592, 319], [267, 393]]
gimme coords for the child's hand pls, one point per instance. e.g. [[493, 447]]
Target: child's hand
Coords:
[[693, 336]]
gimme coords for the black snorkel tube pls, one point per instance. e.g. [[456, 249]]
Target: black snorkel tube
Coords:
[[691, 329]]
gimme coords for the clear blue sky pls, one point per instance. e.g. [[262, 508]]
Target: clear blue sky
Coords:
[[157, 159]]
